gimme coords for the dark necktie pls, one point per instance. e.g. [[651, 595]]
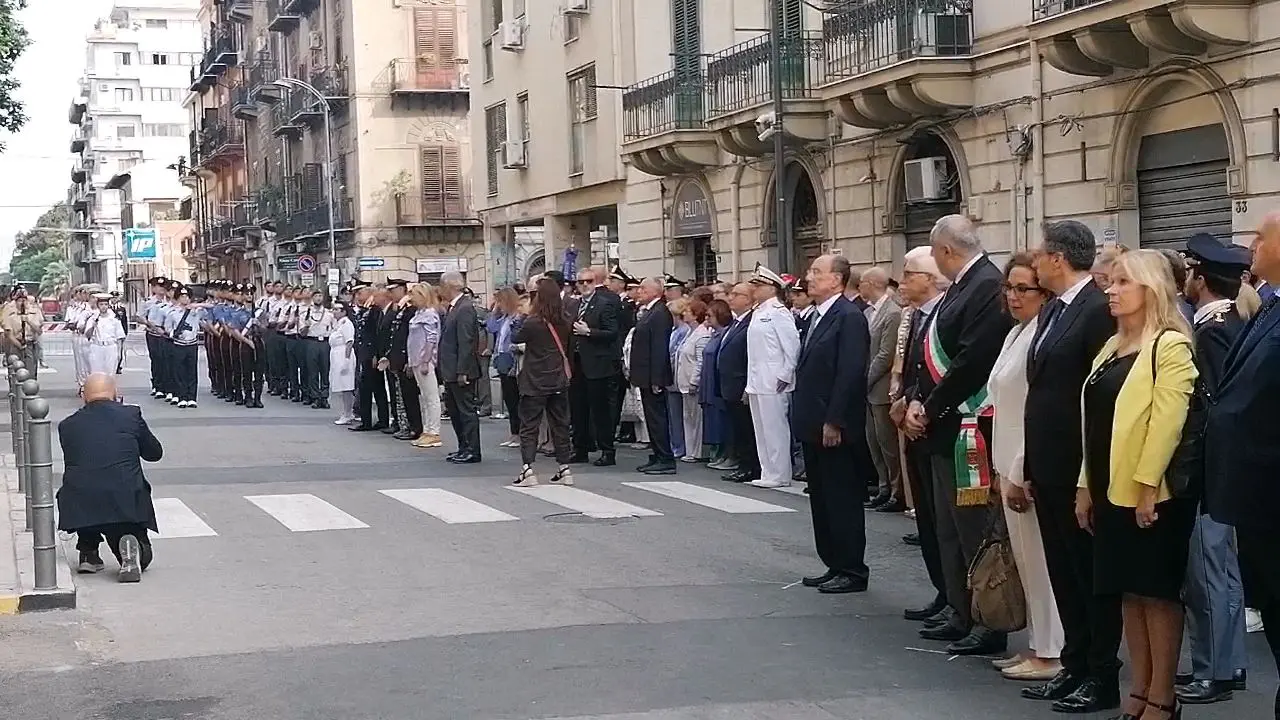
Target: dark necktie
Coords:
[[1056, 306], [582, 307]]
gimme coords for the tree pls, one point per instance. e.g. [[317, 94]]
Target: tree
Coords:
[[56, 278], [13, 40], [39, 238], [32, 267]]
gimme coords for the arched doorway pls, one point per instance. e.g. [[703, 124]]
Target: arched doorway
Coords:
[[917, 215], [536, 266], [805, 218]]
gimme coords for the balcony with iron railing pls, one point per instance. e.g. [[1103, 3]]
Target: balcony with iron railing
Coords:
[[434, 209], [222, 49], [740, 78], [243, 214], [425, 76], [313, 220], [890, 62], [221, 139], [664, 123], [1095, 38], [78, 174], [78, 142], [268, 205], [282, 118], [195, 151], [263, 72], [280, 17], [242, 105], [332, 82], [222, 236], [239, 10]]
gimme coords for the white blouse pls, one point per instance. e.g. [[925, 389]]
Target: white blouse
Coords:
[[1007, 390]]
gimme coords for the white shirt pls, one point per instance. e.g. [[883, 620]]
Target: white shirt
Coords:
[[104, 329], [820, 311], [318, 321], [1070, 293], [972, 261]]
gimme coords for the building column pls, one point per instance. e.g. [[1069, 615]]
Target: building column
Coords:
[[556, 236]]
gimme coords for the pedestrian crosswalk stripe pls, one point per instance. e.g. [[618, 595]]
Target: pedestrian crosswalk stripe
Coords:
[[587, 503], [176, 520], [447, 506], [305, 512], [707, 497]]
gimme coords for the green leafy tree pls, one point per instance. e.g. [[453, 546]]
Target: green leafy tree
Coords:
[[32, 267], [56, 278], [13, 40]]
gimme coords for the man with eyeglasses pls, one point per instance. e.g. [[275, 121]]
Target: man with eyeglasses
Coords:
[[597, 363]]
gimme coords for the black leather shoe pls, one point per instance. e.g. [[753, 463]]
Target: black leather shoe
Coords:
[[940, 618], [390, 430], [580, 459], [818, 580], [841, 584], [1058, 687], [660, 468], [1204, 692], [980, 641], [877, 501], [607, 459], [406, 435], [1239, 680], [951, 632], [912, 539], [361, 428], [464, 458], [893, 506], [647, 465], [741, 476], [926, 612], [1092, 696]]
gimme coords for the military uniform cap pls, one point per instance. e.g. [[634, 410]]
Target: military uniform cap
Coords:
[[102, 296], [1213, 256], [183, 292], [397, 282], [158, 280], [765, 276], [670, 282], [360, 285]]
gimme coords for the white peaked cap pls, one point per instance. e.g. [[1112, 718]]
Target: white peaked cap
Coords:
[[102, 296], [765, 276]]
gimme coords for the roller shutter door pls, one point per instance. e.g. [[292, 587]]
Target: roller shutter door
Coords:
[[1182, 187]]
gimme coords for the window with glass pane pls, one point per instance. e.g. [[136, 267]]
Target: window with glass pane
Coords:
[[522, 114]]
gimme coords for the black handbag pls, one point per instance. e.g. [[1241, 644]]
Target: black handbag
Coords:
[[1185, 473]]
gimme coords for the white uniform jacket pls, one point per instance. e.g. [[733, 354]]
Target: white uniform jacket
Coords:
[[773, 348]]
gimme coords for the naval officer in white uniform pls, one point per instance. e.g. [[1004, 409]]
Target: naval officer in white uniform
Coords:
[[773, 348], [103, 336]]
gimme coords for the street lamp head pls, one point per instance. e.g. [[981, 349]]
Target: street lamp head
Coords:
[[283, 83]]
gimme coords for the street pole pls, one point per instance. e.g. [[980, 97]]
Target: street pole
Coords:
[[328, 159], [43, 537], [11, 365], [20, 376], [782, 219]]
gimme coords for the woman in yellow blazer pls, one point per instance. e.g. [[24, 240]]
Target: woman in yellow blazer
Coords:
[[1132, 423]]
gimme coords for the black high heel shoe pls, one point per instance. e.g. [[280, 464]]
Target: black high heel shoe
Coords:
[[1130, 716], [1175, 712]]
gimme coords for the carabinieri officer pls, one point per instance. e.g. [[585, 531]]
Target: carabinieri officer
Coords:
[[151, 316], [182, 325]]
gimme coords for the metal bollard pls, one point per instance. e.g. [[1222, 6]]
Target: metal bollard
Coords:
[[9, 363], [40, 458], [24, 484]]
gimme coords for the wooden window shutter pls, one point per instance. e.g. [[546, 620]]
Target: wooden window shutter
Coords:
[[435, 46], [589, 77], [312, 190], [432, 181], [451, 156]]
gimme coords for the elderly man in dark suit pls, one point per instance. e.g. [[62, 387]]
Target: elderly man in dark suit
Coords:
[[460, 367], [1242, 444], [961, 342], [651, 372], [104, 492], [731, 367], [829, 417], [597, 363]]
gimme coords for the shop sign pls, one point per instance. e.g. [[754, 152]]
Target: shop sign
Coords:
[[691, 212]]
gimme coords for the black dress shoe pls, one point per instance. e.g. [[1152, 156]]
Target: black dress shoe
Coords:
[[1204, 692], [841, 584], [893, 506], [912, 539], [1093, 695], [465, 458], [660, 468], [580, 459], [818, 580], [360, 428], [980, 641], [1239, 680], [453, 454], [940, 618], [877, 501], [741, 476], [406, 435], [647, 465], [926, 612], [951, 632], [607, 459], [1058, 687], [390, 430]]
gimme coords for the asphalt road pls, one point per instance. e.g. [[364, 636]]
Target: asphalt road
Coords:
[[309, 572]]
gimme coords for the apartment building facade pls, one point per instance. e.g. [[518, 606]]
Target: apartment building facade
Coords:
[[128, 112], [336, 130], [546, 124], [1149, 120]]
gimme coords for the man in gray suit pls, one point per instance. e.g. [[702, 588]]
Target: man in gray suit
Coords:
[[460, 367], [883, 316]]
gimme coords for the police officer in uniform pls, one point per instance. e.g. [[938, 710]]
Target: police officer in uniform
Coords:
[[1214, 594], [621, 283], [214, 341], [262, 310], [295, 357], [181, 325], [315, 324], [372, 390], [151, 316]]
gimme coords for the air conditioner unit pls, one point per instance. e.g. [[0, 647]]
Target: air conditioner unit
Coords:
[[926, 179], [464, 80], [577, 7], [513, 155], [316, 40], [512, 35]]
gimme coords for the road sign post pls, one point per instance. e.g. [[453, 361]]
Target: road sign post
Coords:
[[306, 264], [287, 263], [371, 263]]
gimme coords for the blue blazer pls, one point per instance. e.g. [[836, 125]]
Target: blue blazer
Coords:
[[731, 361], [709, 390], [831, 376], [1242, 436]]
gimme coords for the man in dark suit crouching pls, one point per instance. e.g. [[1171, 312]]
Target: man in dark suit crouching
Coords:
[[104, 493], [828, 417]]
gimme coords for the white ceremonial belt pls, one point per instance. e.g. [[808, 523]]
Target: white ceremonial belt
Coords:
[[104, 343]]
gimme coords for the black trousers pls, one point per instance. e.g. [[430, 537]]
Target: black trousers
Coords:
[[253, 369], [598, 420], [655, 421], [271, 340], [744, 437], [211, 360], [295, 367], [372, 390], [555, 409], [1092, 625], [461, 404], [156, 364], [409, 395], [186, 362], [316, 369], [584, 440], [920, 475], [836, 495], [511, 401], [89, 539]]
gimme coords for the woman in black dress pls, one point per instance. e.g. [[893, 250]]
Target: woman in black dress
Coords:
[[1135, 404]]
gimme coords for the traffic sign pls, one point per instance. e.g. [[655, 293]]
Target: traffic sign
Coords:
[[306, 263], [140, 244], [333, 291], [308, 279], [334, 276], [287, 262], [371, 263]]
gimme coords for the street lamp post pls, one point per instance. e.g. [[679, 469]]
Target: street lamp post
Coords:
[[294, 83]]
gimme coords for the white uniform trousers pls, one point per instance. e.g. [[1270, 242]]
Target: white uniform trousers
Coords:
[[80, 351], [769, 417], [102, 357]]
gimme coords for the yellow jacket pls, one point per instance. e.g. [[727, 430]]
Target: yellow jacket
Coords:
[[1148, 418]]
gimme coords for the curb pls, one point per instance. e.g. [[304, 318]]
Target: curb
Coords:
[[18, 593]]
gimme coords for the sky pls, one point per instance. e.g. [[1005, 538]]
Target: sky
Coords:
[[35, 169]]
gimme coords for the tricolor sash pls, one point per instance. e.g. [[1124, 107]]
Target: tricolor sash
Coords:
[[972, 458]]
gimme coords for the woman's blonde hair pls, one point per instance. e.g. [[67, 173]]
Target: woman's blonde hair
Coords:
[[1248, 301], [425, 295], [677, 308], [1151, 270]]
